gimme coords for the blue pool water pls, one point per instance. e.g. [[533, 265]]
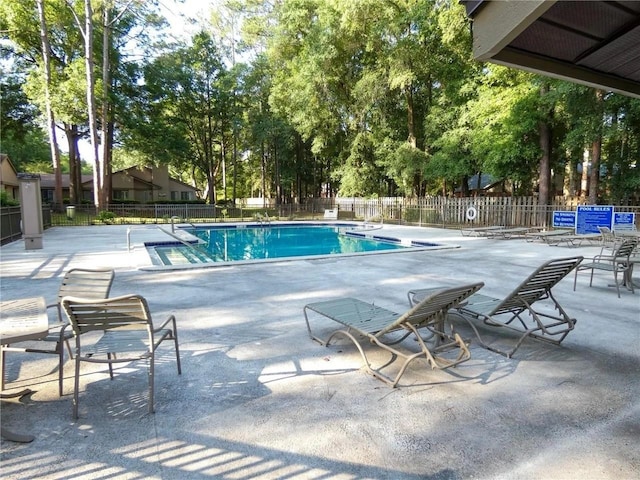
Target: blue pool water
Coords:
[[241, 243]]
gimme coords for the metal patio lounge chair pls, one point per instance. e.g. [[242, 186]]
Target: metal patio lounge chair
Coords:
[[91, 283], [516, 311], [575, 240], [617, 262], [507, 233], [425, 321], [479, 231], [128, 335], [544, 236]]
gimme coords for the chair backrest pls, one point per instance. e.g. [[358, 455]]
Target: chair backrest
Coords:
[[608, 240], [129, 312], [433, 305], [85, 283], [538, 284], [605, 232], [626, 248]]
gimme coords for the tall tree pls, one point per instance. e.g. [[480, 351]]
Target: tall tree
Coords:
[[21, 133], [179, 117], [51, 123], [544, 129]]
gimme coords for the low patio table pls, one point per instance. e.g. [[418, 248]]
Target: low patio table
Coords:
[[21, 320]]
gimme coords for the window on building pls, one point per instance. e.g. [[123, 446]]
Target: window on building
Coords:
[[121, 194], [185, 196]]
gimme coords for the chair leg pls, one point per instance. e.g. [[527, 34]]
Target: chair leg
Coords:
[[110, 365], [615, 278], [151, 382], [175, 341], [69, 349], [627, 279], [60, 350], [2, 364], [76, 387]]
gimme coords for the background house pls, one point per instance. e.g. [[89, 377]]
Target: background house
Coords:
[[134, 184], [9, 178], [48, 186], [148, 185]]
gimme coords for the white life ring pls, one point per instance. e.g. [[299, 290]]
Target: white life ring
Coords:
[[472, 213]]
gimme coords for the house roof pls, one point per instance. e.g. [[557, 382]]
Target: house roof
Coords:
[[595, 43], [180, 182], [4, 159], [48, 180]]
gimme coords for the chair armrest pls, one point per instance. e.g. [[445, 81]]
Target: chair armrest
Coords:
[[63, 328], [171, 319], [606, 258]]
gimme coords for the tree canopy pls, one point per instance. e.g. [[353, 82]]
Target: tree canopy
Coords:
[[299, 99]]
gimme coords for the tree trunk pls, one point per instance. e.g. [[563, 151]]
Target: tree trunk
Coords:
[[51, 123], [276, 174], [584, 180], [594, 179], [464, 186], [596, 151], [263, 173], [71, 132], [98, 173], [411, 121], [105, 167], [544, 129], [544, 183]]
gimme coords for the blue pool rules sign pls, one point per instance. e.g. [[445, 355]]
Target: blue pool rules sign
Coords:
[[624, 221], [590, 217], [564, 219]]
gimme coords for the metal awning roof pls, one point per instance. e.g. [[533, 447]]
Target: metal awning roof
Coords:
[[595, 43]]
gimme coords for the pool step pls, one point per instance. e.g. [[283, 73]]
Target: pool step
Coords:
[[184, 256]]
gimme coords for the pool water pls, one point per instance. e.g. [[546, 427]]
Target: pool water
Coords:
[[271, 242]]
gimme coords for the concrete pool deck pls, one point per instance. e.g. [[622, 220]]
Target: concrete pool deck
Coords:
[[259, 400]]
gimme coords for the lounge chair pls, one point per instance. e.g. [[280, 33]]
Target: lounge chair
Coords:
[[506, 233], [479, 231], [575, 240], [77, 281], [544, 236], [376, 323], [508, 312], [618, 262], [128, 335]]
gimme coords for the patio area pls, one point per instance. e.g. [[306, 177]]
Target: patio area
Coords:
[[258, 399]]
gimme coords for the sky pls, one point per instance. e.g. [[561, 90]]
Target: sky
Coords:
[[181, 14]]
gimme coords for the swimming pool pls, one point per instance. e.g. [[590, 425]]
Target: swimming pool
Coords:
[[241, 243]]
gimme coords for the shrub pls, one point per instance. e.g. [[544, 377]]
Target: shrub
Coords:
[[5, 201], [106, 216]]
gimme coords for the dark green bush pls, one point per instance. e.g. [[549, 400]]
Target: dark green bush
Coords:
[[5, 201], [106, 216]]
